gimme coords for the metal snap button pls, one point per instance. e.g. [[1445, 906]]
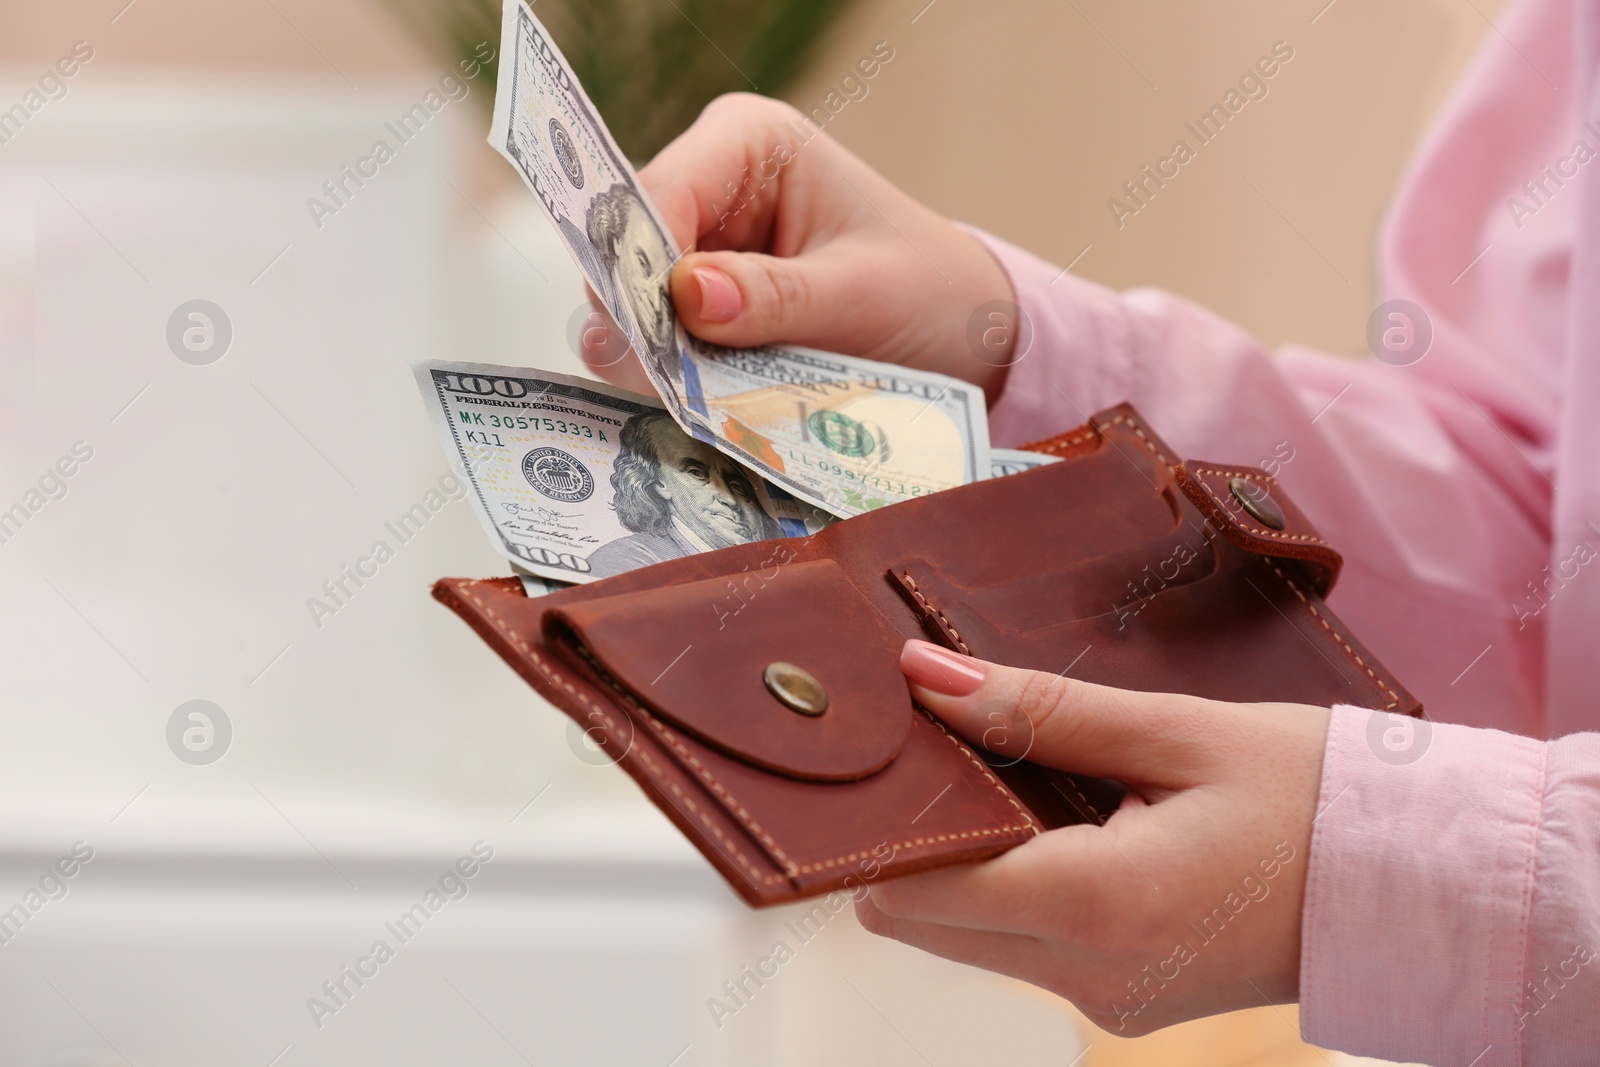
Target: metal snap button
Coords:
[[796, 688], [1258, 502]]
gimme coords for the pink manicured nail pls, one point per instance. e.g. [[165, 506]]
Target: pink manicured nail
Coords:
[[720, 299], [939, 669]]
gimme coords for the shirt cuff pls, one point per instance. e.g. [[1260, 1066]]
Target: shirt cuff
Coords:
[[1419, 889]]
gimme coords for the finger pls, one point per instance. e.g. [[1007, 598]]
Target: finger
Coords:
[[1123, 994], [1114, 991], [1095, 875], [744, 299], [1161, 739], [1027, 958], [788, 238], [604, 349], [738, 191], [724, 175]]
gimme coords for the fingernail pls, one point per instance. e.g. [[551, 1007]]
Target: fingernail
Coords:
[[939, 669], [720, 298]]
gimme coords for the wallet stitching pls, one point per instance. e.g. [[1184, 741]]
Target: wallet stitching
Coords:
[[655, 771], [956, 636], [1394, 698], [700, 768], [1132, 424], [1027, 823], [1060, 446], [650, 766], [965, 751], [795, 870], [1027, 819], [1258, 530], [927, 605], [1139, 430]]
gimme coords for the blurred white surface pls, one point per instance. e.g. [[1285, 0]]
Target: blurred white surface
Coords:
[[371, 751]]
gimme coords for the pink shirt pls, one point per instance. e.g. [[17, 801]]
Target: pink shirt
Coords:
[[1453, 889]]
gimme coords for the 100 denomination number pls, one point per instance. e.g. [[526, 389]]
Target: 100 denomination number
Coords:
[[481, 386]]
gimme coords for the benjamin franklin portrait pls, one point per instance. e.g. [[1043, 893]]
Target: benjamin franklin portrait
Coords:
[[635, 258], [679, 496]]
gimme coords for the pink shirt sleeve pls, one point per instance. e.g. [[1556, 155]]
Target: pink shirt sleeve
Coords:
[[1452, 895]]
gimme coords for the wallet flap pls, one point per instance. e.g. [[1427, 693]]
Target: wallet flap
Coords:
[[1253, 513], [698, 654], [1244, 503]]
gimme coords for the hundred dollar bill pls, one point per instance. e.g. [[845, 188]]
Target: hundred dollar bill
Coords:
[[575, 480], [534, 586], [846, 434], [1004, 461]]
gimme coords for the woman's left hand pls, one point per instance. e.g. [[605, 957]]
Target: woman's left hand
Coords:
[[1186, 903]]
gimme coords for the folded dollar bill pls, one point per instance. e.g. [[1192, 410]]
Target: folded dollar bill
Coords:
[[575, 480], [535, 586], [1004, 461], [846, 434]]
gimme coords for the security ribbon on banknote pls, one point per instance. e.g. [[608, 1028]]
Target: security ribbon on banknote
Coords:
[[846, 434]]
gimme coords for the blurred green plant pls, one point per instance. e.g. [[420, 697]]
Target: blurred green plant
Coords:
[[648, 65]]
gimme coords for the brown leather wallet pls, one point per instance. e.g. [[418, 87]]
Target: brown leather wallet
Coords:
[[1119, 565]]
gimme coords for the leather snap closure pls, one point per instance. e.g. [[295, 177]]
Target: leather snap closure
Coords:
[[796, 688], [1255, 499]]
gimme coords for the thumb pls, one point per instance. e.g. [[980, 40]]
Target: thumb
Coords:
[[743, 299], [1138, 738]]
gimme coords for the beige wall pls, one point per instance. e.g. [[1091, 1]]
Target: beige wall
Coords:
[[336, 39], [1019, 116]]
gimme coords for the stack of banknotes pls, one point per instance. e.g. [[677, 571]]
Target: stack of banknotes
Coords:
[[576, 480]]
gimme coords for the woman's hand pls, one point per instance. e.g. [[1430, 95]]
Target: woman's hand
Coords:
[[796, 241], [1186, 903]]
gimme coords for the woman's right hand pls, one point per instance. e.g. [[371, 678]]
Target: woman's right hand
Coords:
[[795, 241]]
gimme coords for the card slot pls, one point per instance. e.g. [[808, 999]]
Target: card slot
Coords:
[[1043, 521], [1235, 635], [1109, 584]]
